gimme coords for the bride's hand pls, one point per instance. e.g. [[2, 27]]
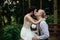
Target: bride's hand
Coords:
[[42, 19]]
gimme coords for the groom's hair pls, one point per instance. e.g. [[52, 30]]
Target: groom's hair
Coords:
[[43, 13]]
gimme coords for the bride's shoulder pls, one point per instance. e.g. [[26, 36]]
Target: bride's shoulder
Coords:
[[26, 16]]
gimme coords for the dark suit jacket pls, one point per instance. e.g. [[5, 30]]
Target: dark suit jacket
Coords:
[[46, 39]]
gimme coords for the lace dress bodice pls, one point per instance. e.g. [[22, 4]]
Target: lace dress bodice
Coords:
[[26, 24]]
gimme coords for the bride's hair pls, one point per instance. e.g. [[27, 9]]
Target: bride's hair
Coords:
[[31, 9]]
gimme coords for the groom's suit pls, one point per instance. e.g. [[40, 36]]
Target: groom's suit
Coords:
[[43, 31]]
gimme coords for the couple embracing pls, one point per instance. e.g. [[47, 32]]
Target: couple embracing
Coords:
[[26, 33]]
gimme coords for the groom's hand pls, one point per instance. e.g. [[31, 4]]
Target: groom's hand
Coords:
[[34, 38]]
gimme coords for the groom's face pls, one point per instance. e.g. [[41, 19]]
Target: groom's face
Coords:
[[39, 12]]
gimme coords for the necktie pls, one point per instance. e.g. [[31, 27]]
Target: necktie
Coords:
[[38, 26]]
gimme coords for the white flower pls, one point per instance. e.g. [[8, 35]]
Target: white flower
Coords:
[[33, 26], [17, 1], [14, 2]]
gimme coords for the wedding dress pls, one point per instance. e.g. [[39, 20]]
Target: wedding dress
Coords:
[[26, 33]]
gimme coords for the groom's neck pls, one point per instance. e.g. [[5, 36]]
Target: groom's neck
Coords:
[[38, 18]]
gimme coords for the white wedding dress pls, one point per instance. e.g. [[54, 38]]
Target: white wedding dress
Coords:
[[26, 33]]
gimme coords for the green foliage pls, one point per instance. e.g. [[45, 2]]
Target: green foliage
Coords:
[[59, 20], [50, 19], [12, 32]]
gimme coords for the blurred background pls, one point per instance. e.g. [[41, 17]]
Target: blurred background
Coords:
[[13, 11]]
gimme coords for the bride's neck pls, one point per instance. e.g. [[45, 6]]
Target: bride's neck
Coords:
[[29, 14]]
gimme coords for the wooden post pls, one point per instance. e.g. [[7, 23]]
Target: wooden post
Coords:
[[40, 4], [55, 14], [29, 3], [23, 9]]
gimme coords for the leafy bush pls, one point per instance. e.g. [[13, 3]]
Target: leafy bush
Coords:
[[50, 19], [12, 32]]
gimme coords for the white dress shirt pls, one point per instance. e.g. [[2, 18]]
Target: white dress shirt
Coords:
[[44, 30]]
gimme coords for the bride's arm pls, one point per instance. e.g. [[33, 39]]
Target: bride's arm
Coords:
[[35, 20], [32, 20]]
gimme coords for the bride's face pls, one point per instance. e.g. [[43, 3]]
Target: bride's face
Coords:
[[35, 12]]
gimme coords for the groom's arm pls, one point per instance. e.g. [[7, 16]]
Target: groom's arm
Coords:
[[45, 31]]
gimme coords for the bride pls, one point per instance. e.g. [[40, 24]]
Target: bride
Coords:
[[26, 33]]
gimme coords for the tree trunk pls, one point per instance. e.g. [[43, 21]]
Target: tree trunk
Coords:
[[40, 4], [55, 15], [29, 3]]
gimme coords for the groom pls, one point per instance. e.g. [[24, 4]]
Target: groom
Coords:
[[43, 26]]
